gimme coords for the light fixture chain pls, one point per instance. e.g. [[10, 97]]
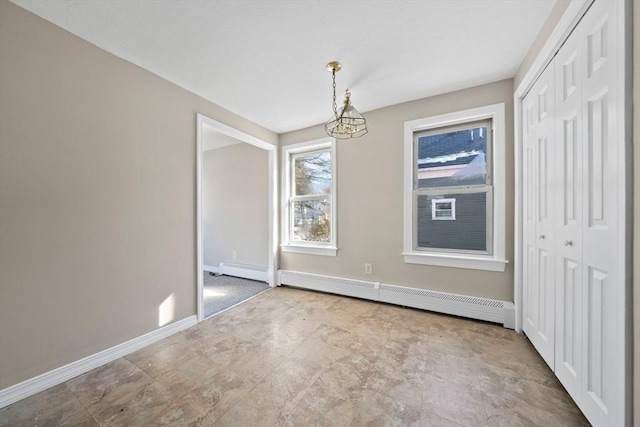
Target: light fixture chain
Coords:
[[335, 107]]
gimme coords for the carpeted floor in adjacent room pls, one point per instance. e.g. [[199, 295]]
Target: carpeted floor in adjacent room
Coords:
[[222, 292]]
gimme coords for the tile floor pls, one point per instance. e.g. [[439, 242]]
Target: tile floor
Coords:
[[299, 358]]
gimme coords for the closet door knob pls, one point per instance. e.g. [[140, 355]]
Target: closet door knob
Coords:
[[568, 243], [542, 236]]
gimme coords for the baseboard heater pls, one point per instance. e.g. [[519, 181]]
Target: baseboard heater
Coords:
[[245, 271], [490, 310]]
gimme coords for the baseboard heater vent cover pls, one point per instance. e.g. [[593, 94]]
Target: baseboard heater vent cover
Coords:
[[460, 305], [491, 310]]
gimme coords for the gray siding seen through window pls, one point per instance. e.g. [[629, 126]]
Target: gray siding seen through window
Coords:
[[467, 232]]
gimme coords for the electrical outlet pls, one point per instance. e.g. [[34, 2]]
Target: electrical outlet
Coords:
[[235, 255], [368, 268]]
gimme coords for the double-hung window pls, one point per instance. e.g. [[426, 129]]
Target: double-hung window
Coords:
[[309, 198], [454, 189]]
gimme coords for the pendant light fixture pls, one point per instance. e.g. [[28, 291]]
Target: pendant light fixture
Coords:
[[348, 122]]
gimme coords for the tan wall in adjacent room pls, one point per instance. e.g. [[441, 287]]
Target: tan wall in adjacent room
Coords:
[[235, 205], [370, 200], [636, 212], [97, 196]]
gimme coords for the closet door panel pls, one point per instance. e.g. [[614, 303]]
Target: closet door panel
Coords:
[[569, 274], [530, 237], [540, 205], [602, 400]]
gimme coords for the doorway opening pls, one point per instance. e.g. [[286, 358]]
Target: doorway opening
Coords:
[[236, 218]]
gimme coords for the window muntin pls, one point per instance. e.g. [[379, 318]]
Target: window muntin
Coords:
[[452, 177], [309, 198]]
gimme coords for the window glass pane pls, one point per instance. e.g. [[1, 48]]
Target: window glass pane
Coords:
[[312, 173], [468, 231], [456, 158], [312, 220]]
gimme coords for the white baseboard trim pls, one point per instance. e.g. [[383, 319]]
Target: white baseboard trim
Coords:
[[246, 271], [487, 309], [64, 373], [509, 315], [211, 269], [334, 285]]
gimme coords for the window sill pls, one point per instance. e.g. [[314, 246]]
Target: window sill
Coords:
[[456, 261], [310, 250]]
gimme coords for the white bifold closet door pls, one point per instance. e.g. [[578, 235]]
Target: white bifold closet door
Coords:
[[573, 200], [540, 210]]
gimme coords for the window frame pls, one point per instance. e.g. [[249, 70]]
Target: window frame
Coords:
[[486, 187], [493, 261], [299, 246]]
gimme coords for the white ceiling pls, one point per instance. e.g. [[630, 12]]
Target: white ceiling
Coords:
[[265, 60]]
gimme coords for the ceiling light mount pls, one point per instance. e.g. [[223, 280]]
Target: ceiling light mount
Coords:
[[348, 122]]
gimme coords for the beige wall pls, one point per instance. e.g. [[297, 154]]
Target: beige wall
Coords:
[[636, 210], [97, 196], [235, 204], [370, 201]]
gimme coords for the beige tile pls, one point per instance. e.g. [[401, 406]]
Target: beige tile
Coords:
[[185, 377], [258, 363], [291, 379], [54, 407], [376, 409], [180, 414], [215, 394], [199, 337], [229, 349], [451, 368], [136, 409], [161, 357], [107, 384], [513, 411], [302, 416], [335, 394], [299, 358], [397, 382], [429, 419], [529, 400], [460, 403], [316, 350], [258, 409]]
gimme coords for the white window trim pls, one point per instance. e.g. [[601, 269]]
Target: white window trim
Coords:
[[434, 209], [494, 262], [309, 248]]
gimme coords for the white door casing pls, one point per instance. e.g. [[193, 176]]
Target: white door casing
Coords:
[[271, 213]]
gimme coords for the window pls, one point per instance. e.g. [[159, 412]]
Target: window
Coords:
[[454, 189], [443, 209], [309, 198]]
